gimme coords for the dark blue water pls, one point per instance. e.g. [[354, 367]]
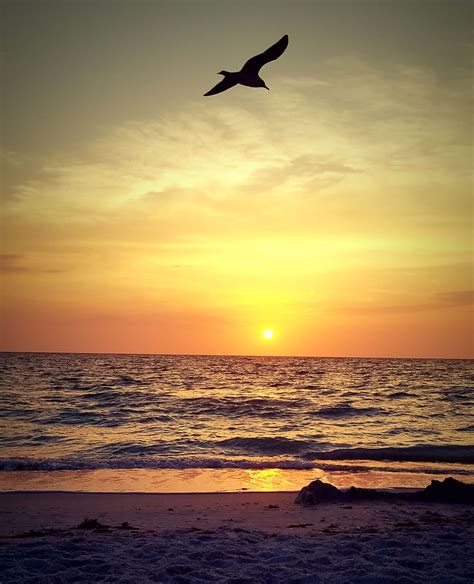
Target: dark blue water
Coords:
[[69, 411]]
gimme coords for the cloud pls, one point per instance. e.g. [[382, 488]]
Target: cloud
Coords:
[[11, 263], [440, 301], [312, 172], [353, 158], [456, 298]]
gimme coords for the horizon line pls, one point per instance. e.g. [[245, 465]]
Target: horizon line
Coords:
[[241, 355]]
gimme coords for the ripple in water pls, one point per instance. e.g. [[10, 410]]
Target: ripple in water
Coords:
[[127, 411]]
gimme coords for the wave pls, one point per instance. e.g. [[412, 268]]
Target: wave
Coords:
[[466, 428], [184, 463], [264, 445], [401, 394], [419, 453], [34, 440], [346, 410], [236, 407]]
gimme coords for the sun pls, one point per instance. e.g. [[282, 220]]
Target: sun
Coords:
[[267, 334]]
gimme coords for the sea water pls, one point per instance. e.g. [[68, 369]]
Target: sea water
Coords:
[[72, 413]]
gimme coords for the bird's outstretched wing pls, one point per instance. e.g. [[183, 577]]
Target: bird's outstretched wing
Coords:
[[226, 83], [254, 64]]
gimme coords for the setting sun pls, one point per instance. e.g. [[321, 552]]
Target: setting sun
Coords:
[[267, 334], [261, 297]]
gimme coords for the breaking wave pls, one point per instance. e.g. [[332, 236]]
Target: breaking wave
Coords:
[[339, 459], [419, 453]]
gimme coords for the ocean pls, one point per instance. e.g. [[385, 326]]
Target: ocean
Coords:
[[89, 412]]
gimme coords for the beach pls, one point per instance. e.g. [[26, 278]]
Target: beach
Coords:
[[236, 314], [183, 469], [230, 537]]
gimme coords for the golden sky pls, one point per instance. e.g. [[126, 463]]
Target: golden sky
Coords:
[[335, 209]]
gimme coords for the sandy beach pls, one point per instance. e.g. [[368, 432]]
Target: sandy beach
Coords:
[[231, 537]]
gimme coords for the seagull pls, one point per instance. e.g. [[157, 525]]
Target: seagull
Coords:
[[248, 75]]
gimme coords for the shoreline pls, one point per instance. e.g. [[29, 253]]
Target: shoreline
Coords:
[[224, 480]]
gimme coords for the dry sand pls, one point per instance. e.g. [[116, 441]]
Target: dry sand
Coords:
[[232, 537]]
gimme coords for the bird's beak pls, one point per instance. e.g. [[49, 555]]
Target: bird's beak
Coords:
[[266, 87]]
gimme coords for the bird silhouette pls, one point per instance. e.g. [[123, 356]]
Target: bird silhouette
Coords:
[[248, 75]]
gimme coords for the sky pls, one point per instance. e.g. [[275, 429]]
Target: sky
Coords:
[[335, 209]]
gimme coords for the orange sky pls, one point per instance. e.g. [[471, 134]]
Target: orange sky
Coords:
[[335, 209]]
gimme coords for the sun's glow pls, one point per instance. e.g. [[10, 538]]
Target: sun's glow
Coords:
[[267, 334], [179, 230]]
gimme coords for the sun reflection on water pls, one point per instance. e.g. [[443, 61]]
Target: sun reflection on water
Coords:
[[271, 479]]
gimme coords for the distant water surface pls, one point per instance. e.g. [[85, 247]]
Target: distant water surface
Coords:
[[76, 411]]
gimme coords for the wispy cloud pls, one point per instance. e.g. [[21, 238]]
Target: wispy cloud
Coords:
[[353, 124], [11, 263], [440, 301]]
